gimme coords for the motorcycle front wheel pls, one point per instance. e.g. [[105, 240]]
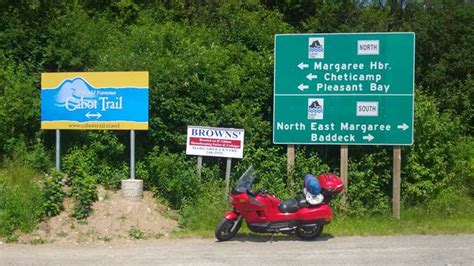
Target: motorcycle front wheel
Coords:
[[309, 233], [226, 229]]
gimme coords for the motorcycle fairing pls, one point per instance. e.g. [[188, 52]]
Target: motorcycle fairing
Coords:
[[261, 209]]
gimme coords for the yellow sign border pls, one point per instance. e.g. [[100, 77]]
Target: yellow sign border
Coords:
[[137, 79], [71, 125]]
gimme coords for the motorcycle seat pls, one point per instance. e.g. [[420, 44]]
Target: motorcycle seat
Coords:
[[301, 201], [289, 206]]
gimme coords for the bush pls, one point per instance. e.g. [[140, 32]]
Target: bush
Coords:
[[172, 176], [21, 201], [207, 208], [84, 193], [449, 201], [101, 158], [39, 158], [307, 161], [53, 194], [431, 163], [464, 168], [270, 168], [80, 164], [110, 176], [19, 103], [369, 188]]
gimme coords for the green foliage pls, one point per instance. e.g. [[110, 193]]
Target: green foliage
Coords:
[[207, 209], [36, 157], [416, 220], [109, 154], [136, 233], [84, 193], [13, 238], [369, 188], [53, 194], [204, 82], [270, 170], [79, 164], [75, 40], [249, 24], [110, 177], [445, 55], [39, 158], [464, 167], [19, 104], [450, 201], [37, 241], [21, 201], [172, 176], [431, 162], [102, 158], [211, 63], [308, 161]]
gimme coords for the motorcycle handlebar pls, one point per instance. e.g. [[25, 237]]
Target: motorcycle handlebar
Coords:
[[254, 193]]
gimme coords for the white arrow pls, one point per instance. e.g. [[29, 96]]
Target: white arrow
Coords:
[[403, 126], [303, 87], [310, 76], [369, 138], [302, 65], [97, 116]]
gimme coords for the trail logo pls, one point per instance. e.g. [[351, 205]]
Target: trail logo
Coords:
[[316, 48], [316, 108]]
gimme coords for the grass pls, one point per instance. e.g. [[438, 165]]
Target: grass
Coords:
[[104, 238], [412, 221], [21, 201], [136, 233], [123, 217], [37, 241]]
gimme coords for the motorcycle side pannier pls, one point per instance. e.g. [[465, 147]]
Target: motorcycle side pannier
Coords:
[[331, 184]]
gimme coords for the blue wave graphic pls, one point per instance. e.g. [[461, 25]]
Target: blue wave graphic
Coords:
[[77, 100]]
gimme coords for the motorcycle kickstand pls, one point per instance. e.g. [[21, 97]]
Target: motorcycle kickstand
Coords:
[[271, 239]]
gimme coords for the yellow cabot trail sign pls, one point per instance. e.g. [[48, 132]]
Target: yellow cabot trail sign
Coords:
[[94, 100]]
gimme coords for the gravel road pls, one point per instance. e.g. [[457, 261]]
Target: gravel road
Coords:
[[427, 250]]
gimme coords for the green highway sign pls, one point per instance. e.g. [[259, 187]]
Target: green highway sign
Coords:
[[344, 88]]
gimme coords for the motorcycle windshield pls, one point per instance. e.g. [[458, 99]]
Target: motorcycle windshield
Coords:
[[245, 181]]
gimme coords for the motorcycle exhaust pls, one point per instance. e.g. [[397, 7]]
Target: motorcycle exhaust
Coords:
[[287, 230]]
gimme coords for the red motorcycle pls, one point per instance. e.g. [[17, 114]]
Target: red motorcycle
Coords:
[[305, 215]]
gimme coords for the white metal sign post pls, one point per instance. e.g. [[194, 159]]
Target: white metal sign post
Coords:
[[132, 154], [58, 150]]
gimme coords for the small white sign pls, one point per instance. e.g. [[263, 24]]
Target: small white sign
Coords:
[[367, 109], [315, 108], [316, 48], [216, 142], [368, 47]]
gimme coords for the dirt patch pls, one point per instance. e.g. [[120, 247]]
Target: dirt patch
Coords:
[[113, 219]]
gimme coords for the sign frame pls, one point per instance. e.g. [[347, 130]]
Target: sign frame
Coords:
[[114, 100], [357, 98]]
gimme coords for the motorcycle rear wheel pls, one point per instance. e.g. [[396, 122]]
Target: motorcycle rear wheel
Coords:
[[309, 233], [224, 230]]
